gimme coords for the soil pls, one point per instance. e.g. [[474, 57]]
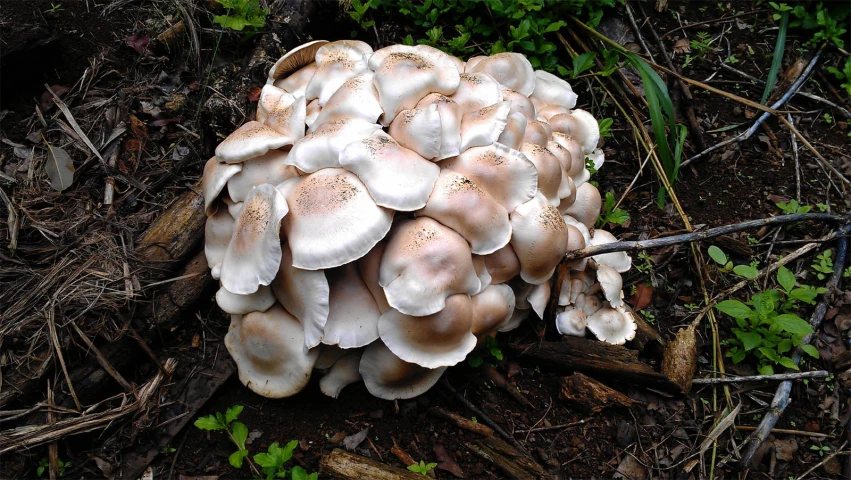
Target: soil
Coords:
[[731, 185]]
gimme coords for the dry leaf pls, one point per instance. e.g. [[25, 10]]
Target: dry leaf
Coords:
[[682, 46], [447, 463], [352, 441], [642, 297], [785, 449], [59, 168]]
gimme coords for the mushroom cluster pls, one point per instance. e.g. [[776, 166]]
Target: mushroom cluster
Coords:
[[388, 210]]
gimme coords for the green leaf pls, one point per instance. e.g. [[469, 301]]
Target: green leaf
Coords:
[[788, 363], [750, 340], [810, 350], [265, 460], [793, 324], [287, 452], [746, 271], [430, 466], [765, 370], [769, 354], [475, 360], [606, 127], [739, 355], [777, 58], [718, 255], [583, 62], [734, 308], [236, 457], [209, 423], [786, 278], [804, 294], [784, 345], [298, 473], [232, 413], [240, 433]]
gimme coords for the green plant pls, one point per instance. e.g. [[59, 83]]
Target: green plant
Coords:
[[844, 74], [648, 317], [823, 265], [358, 12], [828, 118], [646, 262], [779, 48], [236, 431], [847, 272], [272, 462], [54, 9], [475, 359], [610, 214], [821, 449], [44, 465], [829, 23], [719, 257], [241, 14], [702, 44], [767, 326], [606, 127], [422, 468], [792, 207], [168, 449]]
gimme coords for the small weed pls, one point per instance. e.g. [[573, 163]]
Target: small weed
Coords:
[[691, 307], [606, 127], [422, 468], [610, 214], [719, 257], [828, 22], [829, 382], [823, 265], [236, 431], [828, 118], [792, 207], [168, 449], [44, 465], [820, 449], [649, 317], [475, 359], [844, 74], [647, 263], [274, 459], [702, 44], [241, 14], [823, 207], [54, 9], [847, 272]]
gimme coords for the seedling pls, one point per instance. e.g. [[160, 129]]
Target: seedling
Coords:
[[273, 462], [648, 317], [168, 449], [422, 468], [54, 9], [820, 449], [719, 257], [236, 431], [492, 346], [702, 44], [823, 265], [44, 465], [606, 127], [611, 214], [241, 14], [792, 207], [828, 118]]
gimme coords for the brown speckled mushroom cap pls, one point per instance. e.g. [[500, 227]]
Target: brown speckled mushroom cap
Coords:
[[267, 349], [484, 126], [331, 197], [294, 60], [282, 112], [477, 90], [321, 148], [510, 69], [336, 62], [357, 97], [214, 179], [450, 123], [549, 170], [419, 130], [248, 141], [539, 238], [423, 264]]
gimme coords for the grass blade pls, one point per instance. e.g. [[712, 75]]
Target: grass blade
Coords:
[[779, 48]]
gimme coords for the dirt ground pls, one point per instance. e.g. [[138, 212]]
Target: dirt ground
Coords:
[[179, 97]]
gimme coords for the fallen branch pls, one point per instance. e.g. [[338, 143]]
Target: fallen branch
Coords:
[[506, 459], [462, 422], [779, 377], [781, 396], [701, 235], [348, 466]]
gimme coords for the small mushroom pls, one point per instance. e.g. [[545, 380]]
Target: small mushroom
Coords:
[[396, 177], [611, 283], [580, 125], [268, 168], [236, 304], [520, 104], [510, 69], [267, 349], [450, 123], [515, 130], [322, 147], [538, 133], [571, 321], [577, 158], [620, 261], [388, 377], [369, 266], [248, 141], [492, 309], [503, 264], [356, 98], [538, 298], [296, 82], [588, 303], [419, 130], [216, 176], [282, 112], [539, 239], [481, 272], [586, 207], [344, 372], [484, 126], [553, 90], [612, 326], [423, 264], [336, 62], [217, 234], [547, 113], [549, 170]]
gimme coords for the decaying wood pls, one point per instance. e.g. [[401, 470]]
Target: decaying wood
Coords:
[[176, 232], [595, 358], [194, 277], [589, 395], [644, 332], [349, 466], [461, 422], [507, 459], [32, 435]]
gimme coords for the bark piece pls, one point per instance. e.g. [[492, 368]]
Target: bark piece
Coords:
[[589, 395], [679, 361], [348, 466], [175, 233], [461, 422], [507, 459]]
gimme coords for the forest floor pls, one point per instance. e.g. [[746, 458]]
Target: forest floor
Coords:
[[154, 87]]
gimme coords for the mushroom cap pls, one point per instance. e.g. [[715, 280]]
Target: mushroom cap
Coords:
[[520, 104], [305, 294], [484, 126], [343, 372], [460, 204], [477, 90], [419, 130], [313, 110], [539, 239], [321, 148], [620, 261], [548, 113], [503, 264], [553, 90], [612, 326], [331, 197], [482, 272], [336, 62], [388, 377], [538, 298], [507, 175], [576, 235], [588, 303], [268, 168], [580, 125], [537, 132], [515, 130], [294, 60], [439, 340], [328, 354], [566, 284], [297, 81], [549, 170], [236, 304], [282, 112], [353, 316], [577, 158], [248, 141], [216, 176], [357, 97], [450, 123], [611, 283], [597, 158], [423, 264], [492, 308], [572, 322], [266, 347], [217, 234], [586, 207], [396, 177], [510, 69], [254, 252], [369, 266], [405, 74]]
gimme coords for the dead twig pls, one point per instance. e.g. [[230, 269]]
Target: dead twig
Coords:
[[779, 377], [51, 323], [751, 428]]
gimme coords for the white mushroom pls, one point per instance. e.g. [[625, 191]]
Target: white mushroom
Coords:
[[450, 123], [342, 373], [510, 69], [248, 141], [611, 283], [336, 62], [477, 90], [321, 148], [297, 81], [390, 378], [620, 261], [419, 130], [571, 321], [515, 130], [356, 98], [539, 239], [353, 315], [484, 126], [294, 60], [216, 176], [217, 234], [553, 90], [282, 112], [304, 293], [236, 304], [538, 298], [503, 264], [492, 309], [612, 326], [549, 170], [267, 168]]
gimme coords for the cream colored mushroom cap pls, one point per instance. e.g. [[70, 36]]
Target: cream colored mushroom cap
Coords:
[[248, 141], [580, 125], [357, 97], [572, 322], [586, 207], [297, 81], [423, 264], [254, 252], [477, 90], [553, 90], [620, 261], [305, 294], [294, 60], [369, 266], [236, 304], [538, 133], [508, 68], [344, 372], [419, 130], [270, 168], [492, 309], [611, 326], [217, 234], [321, 148], [441, 339], [332, 220], [514, 132], [520, 104], [336, 62], [388, 377], [507, 175], [484, 126], [577, 158], [538, 298], [611, 283], [282, 112], [539, 239], [503, 264], [353, 316], [460, 204], [267, 349], [450, 123], [214, 179], [549, 170]]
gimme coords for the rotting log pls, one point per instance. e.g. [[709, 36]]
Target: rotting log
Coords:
[[589, 395], [507, 459], [181, 294], [349, 466], [175, 233], [600, 359]]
